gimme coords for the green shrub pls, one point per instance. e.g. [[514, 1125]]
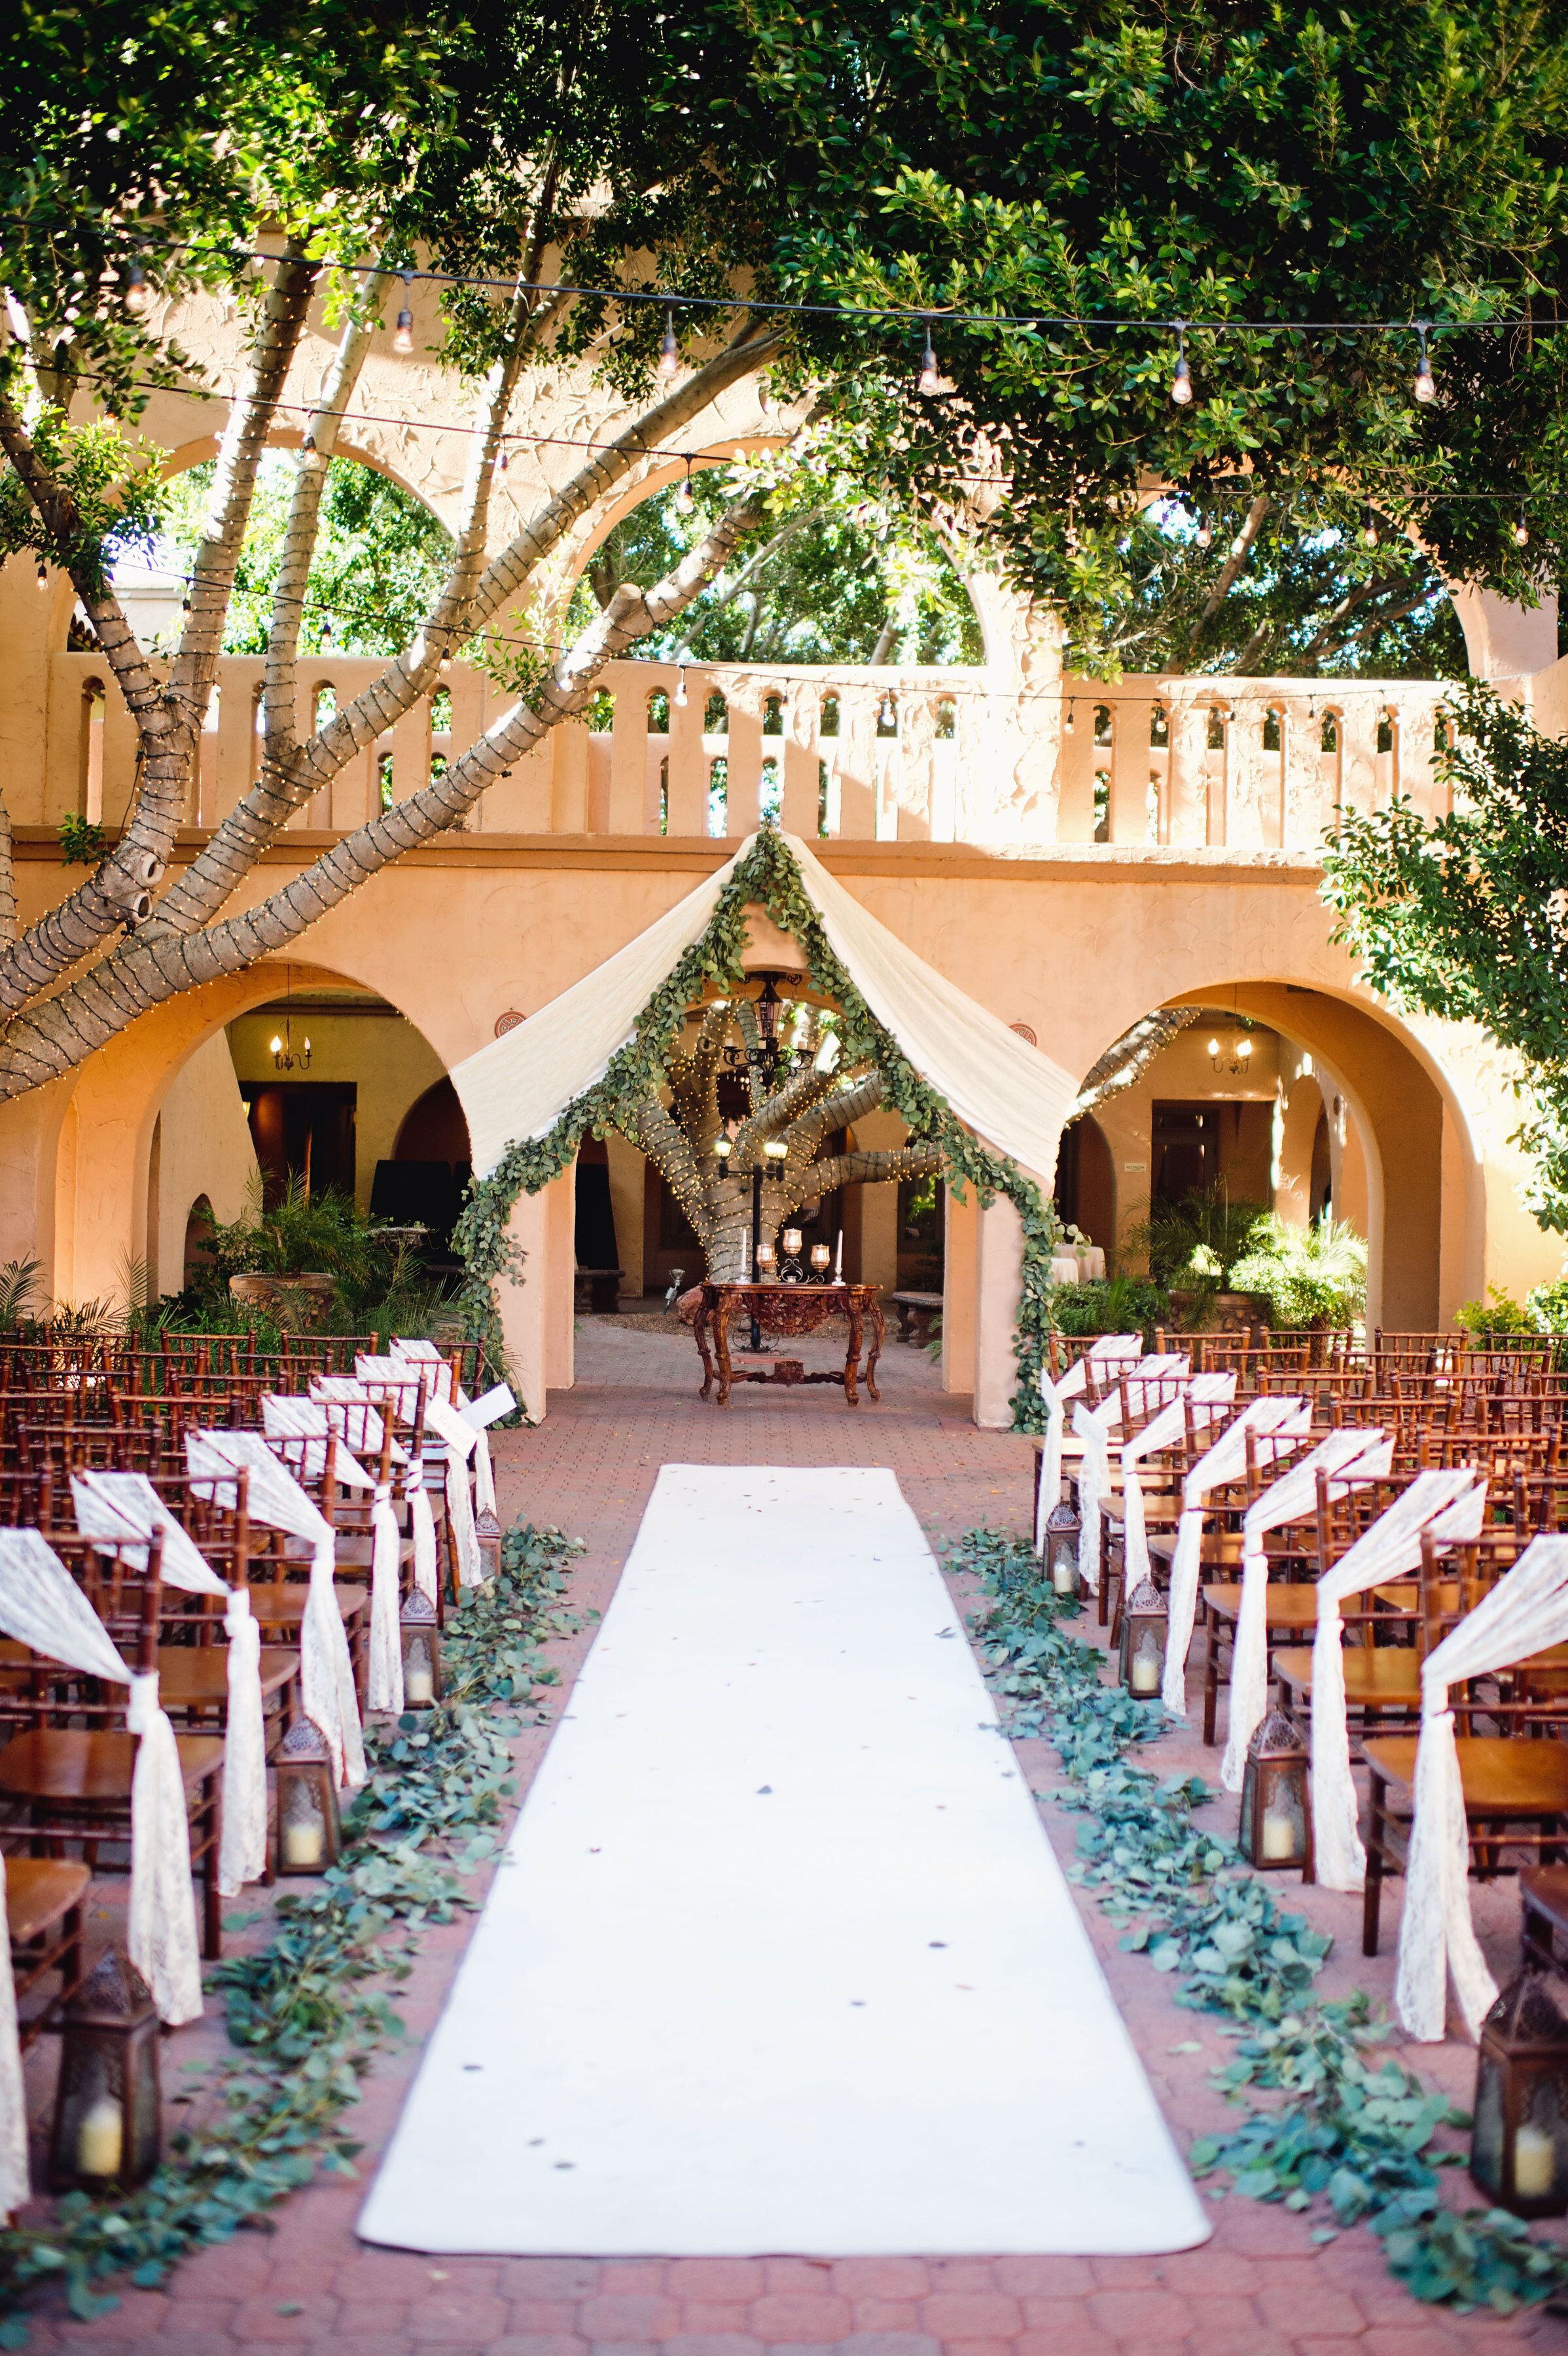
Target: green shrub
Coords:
[[1205, 1221], [1494, 1319], [1546, 1305], [1308, 1276], [1120, 1304]]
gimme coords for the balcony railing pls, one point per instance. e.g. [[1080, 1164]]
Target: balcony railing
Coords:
[[908, 755]]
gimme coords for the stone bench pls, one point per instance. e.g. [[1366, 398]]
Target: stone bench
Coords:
[[915, 1310]]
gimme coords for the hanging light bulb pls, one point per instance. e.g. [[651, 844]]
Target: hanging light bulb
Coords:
[[402, 335], [499, 467], [1213, 1048], [1181, 382], [669, 350], [683, 499], [43, 574], [1368, 528], [680, 698], [1205, 531], [1521, 528], [929, 379], [326, 635], [309, 445], [1424, 389], [138, 294]]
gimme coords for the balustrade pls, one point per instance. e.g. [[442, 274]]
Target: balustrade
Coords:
[[949, 755]]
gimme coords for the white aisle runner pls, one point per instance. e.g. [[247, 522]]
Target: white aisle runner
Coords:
[[778, 1957]]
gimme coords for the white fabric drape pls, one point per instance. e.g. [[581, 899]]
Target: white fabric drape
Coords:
[[1450, 1501], [518, 1087], [117, 1506], [14, 2182], [42, 1607], [460, 1440], [1278, 1425], [1526, 1612], [1207, 1397], [477, 1413], [1095, 1426], [276, 1498], [383, 1379], [1365, 1455], [322, 1424], [1112, 1351]]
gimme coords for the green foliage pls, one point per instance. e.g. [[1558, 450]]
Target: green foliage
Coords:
[[378, 566], [113, 487], [768, 875], [1351, 2127], [380, 1286], [301, 1231], [1494, 1319], [1466, 916], [1207, 1220], [81, 843], [1315, 1275], [19, 1290], [308, 2011], [1546, 1305], [1118, 1304]]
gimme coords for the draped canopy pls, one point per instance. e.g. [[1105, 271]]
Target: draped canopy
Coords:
[[1010, 1095]]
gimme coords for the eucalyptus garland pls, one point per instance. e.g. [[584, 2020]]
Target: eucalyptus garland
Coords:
[[308, 2011], [1354, 2128], [769, 877]]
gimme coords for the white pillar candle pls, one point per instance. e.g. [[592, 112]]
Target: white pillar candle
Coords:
[[1279, 1832], [418, 1687], [838, 1260], [1146, 1668], [303, 1845], [1534, 2163], [101, 2139]]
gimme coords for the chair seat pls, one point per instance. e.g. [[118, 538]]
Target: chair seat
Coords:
[[1502, 1777], [1377, 1676], [54, 1764], [1287, 1607], [192, 1674], [1545, 1891], [39, 1892], [1221, 1549], [1405, 1596], [280, 1602]]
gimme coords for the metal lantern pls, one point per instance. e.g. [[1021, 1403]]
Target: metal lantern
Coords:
[[421, 1653], [309, 1835], [1277, 1797], [822, 1260], [1062, 1528], [1519, 2145], [108, 2121], [792, 1267], [1144, 1626]]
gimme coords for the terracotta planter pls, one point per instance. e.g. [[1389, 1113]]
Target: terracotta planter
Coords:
[[296, 1302], [1227, 1312]]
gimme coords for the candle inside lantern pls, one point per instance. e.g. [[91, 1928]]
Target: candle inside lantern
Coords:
[[418, 1677], [100, 2138], [1064, 1572], [1534, 2163], [764, 1255], [304, 1828], [820, 1256], [1281, 1834], [792, 1241], [1147, 1667]]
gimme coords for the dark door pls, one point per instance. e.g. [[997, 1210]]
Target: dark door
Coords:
[[303, 1130]]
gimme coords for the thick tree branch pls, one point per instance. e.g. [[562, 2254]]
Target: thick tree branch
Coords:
[[874, 1169], [1241, 548]]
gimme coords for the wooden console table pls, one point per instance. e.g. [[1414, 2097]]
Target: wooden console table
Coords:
[[788, 1311]]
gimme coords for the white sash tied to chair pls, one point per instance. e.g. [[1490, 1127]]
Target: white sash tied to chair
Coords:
[[460, 1440], [1526, 1612], [42, 1607], [1112, 1351], [1095, 1426], [481, 1413], [1449, 1501], [118, 1507], [1207, 1397], [1363, 1454], [384, 1378], [276, 1498], [14, 2182], [1278, 1425], [327, 1421]]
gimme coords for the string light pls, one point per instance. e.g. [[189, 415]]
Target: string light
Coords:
[[680, 698], [1424, 389], [929, 379], [669, 350], [499, 467], [1181, 382], [1205, 531], [1521, 530], [402, 335], [683, 499], [1368, 528], [43, 574], [138, 294], [326, 635]]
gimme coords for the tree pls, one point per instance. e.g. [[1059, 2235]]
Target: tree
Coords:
[[776, 1066], [1029, 162], [1466, 916]]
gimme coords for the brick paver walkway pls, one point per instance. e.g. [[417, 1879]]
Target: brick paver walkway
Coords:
[[1260, 2287]]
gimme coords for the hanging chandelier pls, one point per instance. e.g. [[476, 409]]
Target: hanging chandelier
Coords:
[[285, 1056]]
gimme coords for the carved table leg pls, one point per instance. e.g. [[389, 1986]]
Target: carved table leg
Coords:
[[700, 1327], [852, 1363], [878, 1335], [721, 1343]]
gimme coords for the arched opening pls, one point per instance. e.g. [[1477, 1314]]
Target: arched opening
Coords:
[[198, 1253]]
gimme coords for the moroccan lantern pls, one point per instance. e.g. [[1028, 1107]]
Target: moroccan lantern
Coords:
[[1518, 2144], [1276, 1801], [108, 2118], [421, 1653], [1061, 1547], [309, 1835], [1144, 1624]]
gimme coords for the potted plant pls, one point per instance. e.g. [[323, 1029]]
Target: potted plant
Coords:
[[294, 1261], [1313, 1276]]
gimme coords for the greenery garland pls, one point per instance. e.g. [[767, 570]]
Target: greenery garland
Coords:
[[1354, 2127], [768, 875], [310, 2009]]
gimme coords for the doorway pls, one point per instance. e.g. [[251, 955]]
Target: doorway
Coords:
[[304, 1131]]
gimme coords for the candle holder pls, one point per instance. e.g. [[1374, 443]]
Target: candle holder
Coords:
[[1144, 1626], [1277, 1797], [108, 2115], [309, 1835], [792, 1267], [767, 1262], [421, 1640], [1062, 1528], [1518, 2144], [822, 1260]]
